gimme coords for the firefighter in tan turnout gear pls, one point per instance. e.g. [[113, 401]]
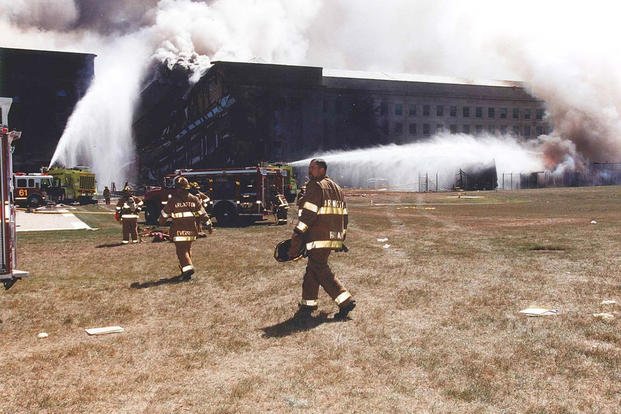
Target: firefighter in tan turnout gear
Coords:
[[183, 208], [321, 228], [127, 210]]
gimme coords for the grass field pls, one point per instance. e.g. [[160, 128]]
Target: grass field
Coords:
[[437, 328]]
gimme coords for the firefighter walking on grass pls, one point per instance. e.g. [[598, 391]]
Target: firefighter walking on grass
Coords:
[[183, 208], [127, 210], [321, 228]]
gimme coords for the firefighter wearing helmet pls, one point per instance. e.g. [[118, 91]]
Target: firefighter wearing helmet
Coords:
[[195, 189], [127, 210], [183, 208]]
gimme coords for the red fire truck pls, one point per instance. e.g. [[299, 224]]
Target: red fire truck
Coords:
[[29, 190], [8, 258], [237, 194]]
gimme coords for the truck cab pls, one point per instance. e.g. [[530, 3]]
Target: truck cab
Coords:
[[30, 190]]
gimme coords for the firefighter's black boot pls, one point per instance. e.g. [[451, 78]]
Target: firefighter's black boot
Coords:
[[304, 313], [187, 274], [343, 312]]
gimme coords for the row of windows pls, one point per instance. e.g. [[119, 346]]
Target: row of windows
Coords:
[[413, 129], [466, 111]]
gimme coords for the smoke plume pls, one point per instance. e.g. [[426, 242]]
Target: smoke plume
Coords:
[[568, 54]]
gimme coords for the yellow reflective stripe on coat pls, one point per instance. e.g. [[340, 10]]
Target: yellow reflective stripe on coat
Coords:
[[184, 238], [128, 216], [302, 226], [332, 210], [324, 244], [163, 214], [308, 302], [183, 214], [342, 297], [310, 206]]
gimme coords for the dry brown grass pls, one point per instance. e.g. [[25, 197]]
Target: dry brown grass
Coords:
[[437, 328]]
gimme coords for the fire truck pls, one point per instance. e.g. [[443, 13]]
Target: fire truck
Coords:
[[237, 194], [290, 190], [8, 257], [30, 190], [72, 185]]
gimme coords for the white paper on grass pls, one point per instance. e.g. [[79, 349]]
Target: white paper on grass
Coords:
[[609, 302], [104, 330], [386, 246], [539, 312], [382, 239], [605, 316]]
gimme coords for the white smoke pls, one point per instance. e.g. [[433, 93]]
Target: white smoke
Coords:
[[568, 53], [401, 166], [42, 14]]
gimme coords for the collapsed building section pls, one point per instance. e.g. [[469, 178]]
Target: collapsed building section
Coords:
[[244, 113]]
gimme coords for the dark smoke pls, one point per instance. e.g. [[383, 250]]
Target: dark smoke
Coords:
[[115, 16]]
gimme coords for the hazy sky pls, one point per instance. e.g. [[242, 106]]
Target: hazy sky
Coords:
[[567, 51]]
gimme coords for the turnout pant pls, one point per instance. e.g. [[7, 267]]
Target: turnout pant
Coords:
[[318, 273], [184, 254], [130, 228]]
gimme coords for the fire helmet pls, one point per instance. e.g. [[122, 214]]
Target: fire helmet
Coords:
[[281, 252], [182, 182]]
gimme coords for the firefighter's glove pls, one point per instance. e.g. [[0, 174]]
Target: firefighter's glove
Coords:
[[296, 245], [209, 227]]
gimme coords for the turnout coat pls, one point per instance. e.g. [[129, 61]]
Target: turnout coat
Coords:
[[183, 209], [322, 215]]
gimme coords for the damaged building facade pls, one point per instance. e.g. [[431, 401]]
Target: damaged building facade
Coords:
[[45, 87], [240, 114]]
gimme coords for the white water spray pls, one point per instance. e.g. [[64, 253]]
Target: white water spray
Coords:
[[402, 165], [98, 133]]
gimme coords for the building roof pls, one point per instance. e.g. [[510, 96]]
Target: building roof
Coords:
[[41, 52], [409, 77]]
